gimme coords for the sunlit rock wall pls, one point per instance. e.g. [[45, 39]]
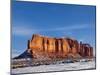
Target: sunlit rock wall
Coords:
[[41, 47]]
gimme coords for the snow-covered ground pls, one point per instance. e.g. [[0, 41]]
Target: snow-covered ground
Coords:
[[56, 67]]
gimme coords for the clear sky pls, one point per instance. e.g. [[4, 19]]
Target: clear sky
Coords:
[[49, 19]]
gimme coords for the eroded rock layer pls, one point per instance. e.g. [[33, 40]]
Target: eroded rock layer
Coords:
[[42, 47]]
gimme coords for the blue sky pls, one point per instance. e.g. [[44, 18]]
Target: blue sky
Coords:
[[54, 20]]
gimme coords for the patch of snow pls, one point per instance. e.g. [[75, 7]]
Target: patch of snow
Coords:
[[55, 67]]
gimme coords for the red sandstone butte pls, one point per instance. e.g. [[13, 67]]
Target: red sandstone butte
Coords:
[[48, 47]]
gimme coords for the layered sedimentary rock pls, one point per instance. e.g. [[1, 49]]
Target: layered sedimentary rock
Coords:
[[47, 47]]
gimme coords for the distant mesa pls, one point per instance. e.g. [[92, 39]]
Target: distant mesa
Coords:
[[42, 47]]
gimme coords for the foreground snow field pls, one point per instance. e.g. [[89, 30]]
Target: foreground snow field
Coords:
[[55, 67]]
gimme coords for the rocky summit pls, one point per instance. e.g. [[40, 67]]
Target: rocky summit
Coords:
[[43, 47]]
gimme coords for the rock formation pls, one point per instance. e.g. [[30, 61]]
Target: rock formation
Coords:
[[42, 47]]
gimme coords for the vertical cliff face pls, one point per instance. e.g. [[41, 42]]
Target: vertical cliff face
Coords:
[[86, 50], [41, 47]]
